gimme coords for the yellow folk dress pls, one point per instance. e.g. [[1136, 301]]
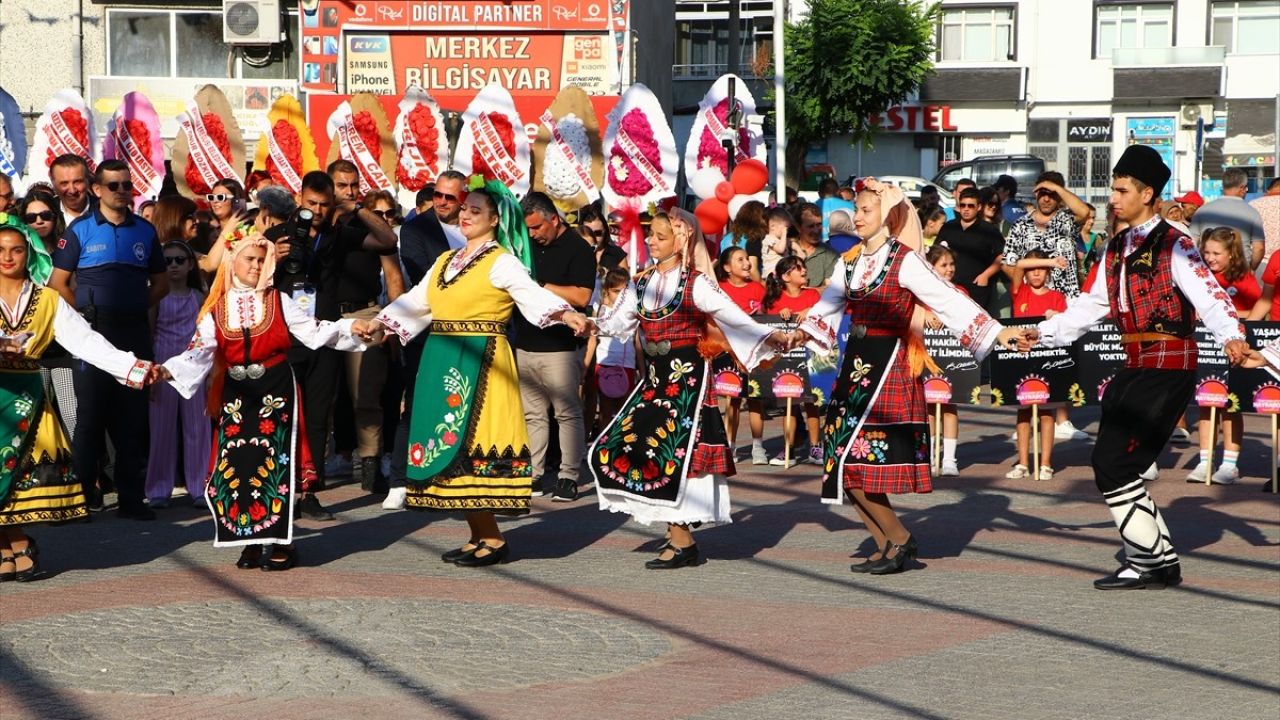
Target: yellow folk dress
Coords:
[[36, 480], [468, 444]]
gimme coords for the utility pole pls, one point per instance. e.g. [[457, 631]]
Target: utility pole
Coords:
[[779, 103], [735, 36]]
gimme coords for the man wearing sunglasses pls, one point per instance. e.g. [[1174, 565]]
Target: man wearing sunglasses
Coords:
[[120, 275], [976, 245], [6, 193], [423, 239]]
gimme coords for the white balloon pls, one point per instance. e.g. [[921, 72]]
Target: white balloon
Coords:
[[704, 182], [736, 204]]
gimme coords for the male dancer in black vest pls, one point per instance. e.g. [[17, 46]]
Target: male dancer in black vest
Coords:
[[1152, 284]]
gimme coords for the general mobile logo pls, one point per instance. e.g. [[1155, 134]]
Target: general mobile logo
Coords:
[[368, 45]]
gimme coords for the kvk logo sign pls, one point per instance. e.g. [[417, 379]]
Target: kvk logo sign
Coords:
[[368, 45]]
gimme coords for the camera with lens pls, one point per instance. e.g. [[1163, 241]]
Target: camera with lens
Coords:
[[297, 232]]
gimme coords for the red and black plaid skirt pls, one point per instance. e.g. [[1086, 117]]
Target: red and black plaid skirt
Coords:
[[890, 453]]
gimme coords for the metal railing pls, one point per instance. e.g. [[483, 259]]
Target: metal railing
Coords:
[[710, 70]]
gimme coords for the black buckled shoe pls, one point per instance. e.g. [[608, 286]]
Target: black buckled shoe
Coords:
[[492, 555], [454, 555], [866, 565], [1157, 579], [32, 552], [683, 557], [271, 564], [896, 564]]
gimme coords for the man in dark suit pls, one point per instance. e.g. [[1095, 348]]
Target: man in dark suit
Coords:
[[422, 241]]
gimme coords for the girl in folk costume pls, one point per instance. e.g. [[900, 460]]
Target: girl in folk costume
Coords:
[[876, 432], [36, 481], [665, 458], [467, 449], [243, 334]]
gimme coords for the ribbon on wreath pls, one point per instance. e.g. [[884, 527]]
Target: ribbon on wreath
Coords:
[[63, 141], [718, 129], [290, 175], [353, 148], [203, 151], [584, 177], [495, 153], [646, 168], [142, 172]]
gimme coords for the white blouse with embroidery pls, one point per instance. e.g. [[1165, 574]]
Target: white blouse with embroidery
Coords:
[[191, 367], [1190, 275], [77, 337], [975, 329], [747, 338], [410, 314]]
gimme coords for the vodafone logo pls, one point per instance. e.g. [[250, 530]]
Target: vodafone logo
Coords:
[[593, 10]]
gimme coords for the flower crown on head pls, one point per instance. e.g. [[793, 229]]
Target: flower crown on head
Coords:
[[240, 232], [475, 182]]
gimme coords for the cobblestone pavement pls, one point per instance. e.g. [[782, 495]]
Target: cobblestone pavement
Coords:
[[147, 620]]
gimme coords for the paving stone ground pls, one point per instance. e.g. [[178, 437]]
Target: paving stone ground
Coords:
[[135, 621]]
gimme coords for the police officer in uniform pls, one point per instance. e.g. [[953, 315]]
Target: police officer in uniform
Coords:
[[119, 272]]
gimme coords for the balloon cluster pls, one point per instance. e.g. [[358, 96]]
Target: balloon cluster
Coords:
[[722, 199]]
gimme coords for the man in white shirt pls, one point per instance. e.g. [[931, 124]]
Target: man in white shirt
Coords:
[[1145, 399]]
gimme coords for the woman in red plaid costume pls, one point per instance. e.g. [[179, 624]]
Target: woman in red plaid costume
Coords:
[[665, 457], [876, 432]]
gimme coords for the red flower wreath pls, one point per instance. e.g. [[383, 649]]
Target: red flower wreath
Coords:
[[290, 143], [423, 126], [624, 177], [368, 129], [141, 138], [218, 133], [502, 125], [709, 147], [79, 127]]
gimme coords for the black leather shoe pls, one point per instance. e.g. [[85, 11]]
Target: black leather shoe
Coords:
[[896, 564], [684, 557], [141, 512], [455, 555], [250, 557], [271, 564], [310, 508], [1173, 575], [32, 552], [1156, 579], [866, 565], [566, 491], [12, 574], [492, 555]]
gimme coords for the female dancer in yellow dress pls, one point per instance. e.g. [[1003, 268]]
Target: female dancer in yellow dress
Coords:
[[468, 444], [36, 481]]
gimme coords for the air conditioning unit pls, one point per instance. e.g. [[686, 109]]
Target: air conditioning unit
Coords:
[[1192, 112], [250, 22]]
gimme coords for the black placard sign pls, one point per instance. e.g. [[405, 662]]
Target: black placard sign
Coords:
[[1212, 369], [788, 376], [1044, 375], [1099, 356], [961, 380], [1089, 130], [1255, 391]]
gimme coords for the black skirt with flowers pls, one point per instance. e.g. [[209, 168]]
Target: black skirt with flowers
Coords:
[[669, 429], [251, 491]]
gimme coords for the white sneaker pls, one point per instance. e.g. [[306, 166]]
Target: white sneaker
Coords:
[[950, 470], [395, 499], [1198, 474], [815, 456], [1019, 472], [780, 461], [1226, 475], [1066, 431], [1151, 473], [1046, 473], [1180, 436], [759, 456]]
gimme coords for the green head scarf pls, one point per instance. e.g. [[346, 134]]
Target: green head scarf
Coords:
[[512, 234], [39, 264]]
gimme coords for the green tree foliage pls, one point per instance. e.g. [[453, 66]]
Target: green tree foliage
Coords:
[[847, 61]]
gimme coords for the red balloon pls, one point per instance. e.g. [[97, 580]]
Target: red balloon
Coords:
[[712, 215], [749, 177], [724, 191]]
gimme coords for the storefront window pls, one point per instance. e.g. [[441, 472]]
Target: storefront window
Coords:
[[976, 34], [1133, 25], [1246, 27], [185, 43], [702, 45], [203, 54], [139, 44]]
